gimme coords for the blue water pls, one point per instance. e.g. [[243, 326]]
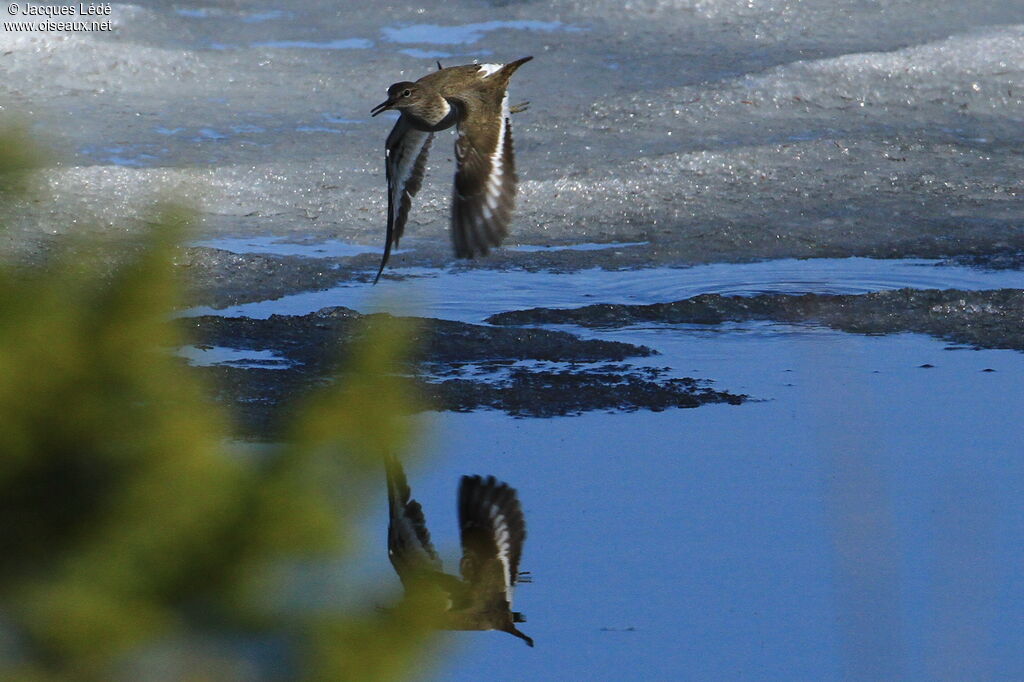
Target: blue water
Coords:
[[340, 44], [465, 34], [584, 246], [860, 519], [208, 356], [330, 248], [862, 522], [472, 295]]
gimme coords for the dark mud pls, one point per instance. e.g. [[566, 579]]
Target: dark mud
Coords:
[[460, 367], [981, 319], [1011, 260], [220, 278]]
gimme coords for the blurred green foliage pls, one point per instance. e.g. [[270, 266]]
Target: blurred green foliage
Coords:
[[135, 536]]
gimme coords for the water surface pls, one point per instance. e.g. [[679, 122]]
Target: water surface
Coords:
[[857, 517]]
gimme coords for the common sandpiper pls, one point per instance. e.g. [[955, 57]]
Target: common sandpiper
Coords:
[[492, 531], [474, 98]]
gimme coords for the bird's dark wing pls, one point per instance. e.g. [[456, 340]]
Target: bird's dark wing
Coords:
[[409, 546], [493, 532], [485, 181], [405, 162]]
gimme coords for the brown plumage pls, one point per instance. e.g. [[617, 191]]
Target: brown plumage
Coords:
[[473, 97], [492, 531]]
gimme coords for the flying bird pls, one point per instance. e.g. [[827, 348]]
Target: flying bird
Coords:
[[492, 532], [474, 98]]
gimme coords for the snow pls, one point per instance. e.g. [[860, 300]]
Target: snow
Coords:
[[783, 129]]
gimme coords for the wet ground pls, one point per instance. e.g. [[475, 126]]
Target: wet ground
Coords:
[[980, 319], [805, 214], [460, 366], [510, 364], [710, 129]]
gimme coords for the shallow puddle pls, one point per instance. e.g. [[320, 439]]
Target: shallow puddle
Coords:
[[330, 248], [467, 34], [242, 358], [868, 494], [471, 296], [859, 501]]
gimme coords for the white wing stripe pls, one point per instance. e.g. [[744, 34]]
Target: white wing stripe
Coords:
[[504, 543], [495, 178], [407, 151]]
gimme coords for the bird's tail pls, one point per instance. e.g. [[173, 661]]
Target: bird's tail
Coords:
[[511, 67], [513, 630]]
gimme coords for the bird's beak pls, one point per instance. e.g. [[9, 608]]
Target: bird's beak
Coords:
[[383, 106]]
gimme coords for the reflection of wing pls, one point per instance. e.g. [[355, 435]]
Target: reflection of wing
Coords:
[[493, 532], [485, 183], [409, 547], [405, 162]]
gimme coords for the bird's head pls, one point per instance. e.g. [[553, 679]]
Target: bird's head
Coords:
[[400, 96]]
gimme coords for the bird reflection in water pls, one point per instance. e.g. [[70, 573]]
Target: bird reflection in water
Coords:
[[492, 531]]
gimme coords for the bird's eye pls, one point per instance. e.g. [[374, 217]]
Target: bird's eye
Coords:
[[406, 93]]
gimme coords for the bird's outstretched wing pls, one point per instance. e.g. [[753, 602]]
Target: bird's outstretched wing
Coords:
[[485, 183], [405, 162], [493, 532], [409, 546]]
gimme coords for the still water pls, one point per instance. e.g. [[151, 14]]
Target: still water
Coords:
[[861, 518]]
